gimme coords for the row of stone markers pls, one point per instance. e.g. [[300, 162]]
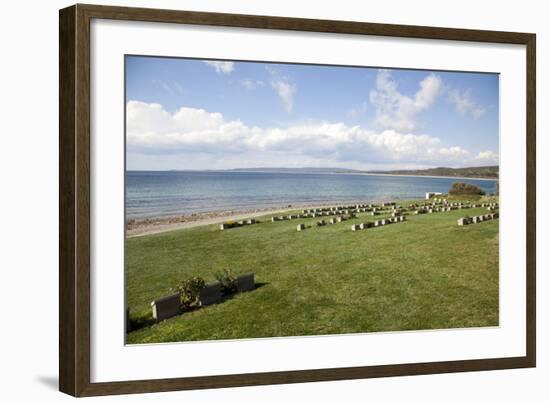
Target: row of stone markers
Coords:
[[476, 219], [240, 223], [439, 205], [460, 207], [377, 223], [456, 205], [336, 211], [334, 220], [446, 208], [340, 219], [339, 208], [316, 214], [425, 209], [169, 306]]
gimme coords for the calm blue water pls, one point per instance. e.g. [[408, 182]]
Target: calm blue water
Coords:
[[171, 193]]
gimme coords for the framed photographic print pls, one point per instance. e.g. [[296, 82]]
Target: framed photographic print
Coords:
[[250, 200]]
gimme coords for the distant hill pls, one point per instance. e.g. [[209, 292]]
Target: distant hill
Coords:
[[469, 172], [296, 170]]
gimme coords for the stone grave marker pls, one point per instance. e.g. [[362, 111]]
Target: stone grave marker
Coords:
[[245, 282], [166, 307], [211, 293]]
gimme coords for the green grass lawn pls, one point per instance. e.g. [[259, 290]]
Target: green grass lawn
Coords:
[[425, 273]]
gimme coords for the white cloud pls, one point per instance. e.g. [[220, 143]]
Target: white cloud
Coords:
[[286, 92], [454, 152], [464, 103], [221, 67], [398, 111], [251, 84], [283, 86], [190, 131], [487, 157]]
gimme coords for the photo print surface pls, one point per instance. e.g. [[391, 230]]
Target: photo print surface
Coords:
[[275, 199]]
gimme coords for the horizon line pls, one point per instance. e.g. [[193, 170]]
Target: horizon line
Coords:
[[318, 168]]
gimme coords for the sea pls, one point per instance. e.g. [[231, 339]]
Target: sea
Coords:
[[152, 194]]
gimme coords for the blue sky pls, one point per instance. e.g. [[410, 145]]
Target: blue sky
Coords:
[[197, 114]]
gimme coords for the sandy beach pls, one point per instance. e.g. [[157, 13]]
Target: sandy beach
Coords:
[[136, 228]]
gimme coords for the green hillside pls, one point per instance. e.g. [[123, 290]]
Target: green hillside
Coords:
[[424, 273], [470, 172]]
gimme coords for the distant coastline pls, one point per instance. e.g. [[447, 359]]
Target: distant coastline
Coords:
[[430, 176], [478, 173], [351, 172]]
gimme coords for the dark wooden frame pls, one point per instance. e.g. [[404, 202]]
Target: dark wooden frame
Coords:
[[74, 199]]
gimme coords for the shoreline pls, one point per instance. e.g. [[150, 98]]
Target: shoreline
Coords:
[[157, 225]]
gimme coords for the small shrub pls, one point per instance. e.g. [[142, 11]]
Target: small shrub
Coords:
[[189, 290], [463, 188], [227, 280]]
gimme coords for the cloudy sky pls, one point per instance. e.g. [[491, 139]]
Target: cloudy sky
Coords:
[[194, 114]]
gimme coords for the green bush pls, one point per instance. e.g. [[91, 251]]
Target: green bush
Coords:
[[463, 188], [227, 280], [189, 290]]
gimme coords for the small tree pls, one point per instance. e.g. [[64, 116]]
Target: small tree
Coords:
[[463, 188]]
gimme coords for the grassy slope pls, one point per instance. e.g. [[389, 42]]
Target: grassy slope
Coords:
[[422, 274]]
